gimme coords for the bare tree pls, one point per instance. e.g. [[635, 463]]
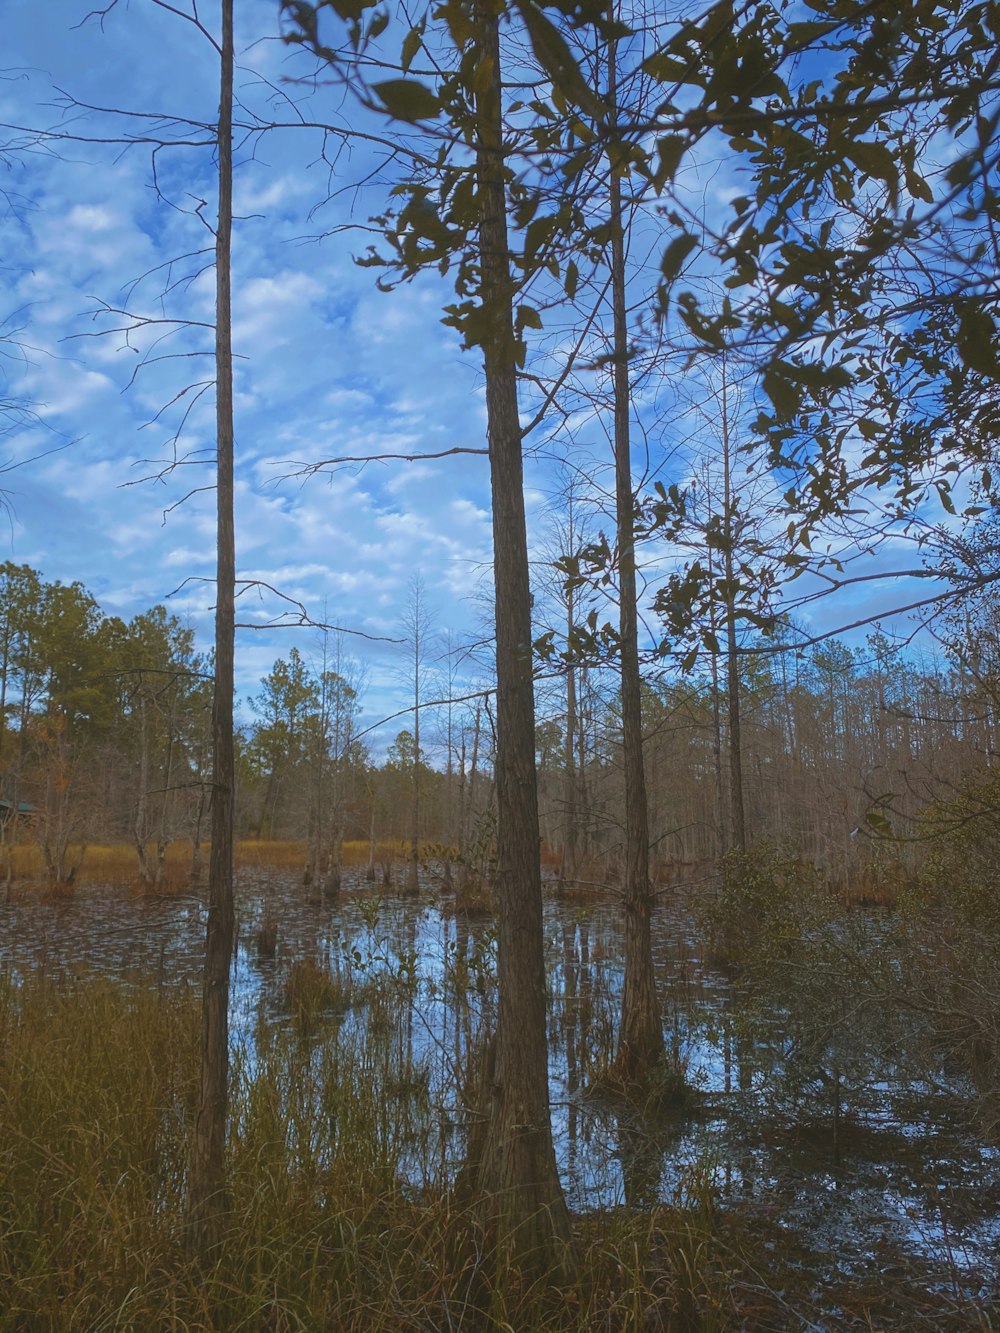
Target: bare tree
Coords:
[[417, 623], [207, 1199]]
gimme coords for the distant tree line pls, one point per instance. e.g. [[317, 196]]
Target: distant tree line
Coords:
[[105, 733]]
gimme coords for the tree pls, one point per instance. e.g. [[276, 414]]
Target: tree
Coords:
[[207, 1201], [288, 700], [416, 622], [857, 260], [158, 677], [516, 1170], [512, 1158], [22, 674], [331, 753], [640, 1034]]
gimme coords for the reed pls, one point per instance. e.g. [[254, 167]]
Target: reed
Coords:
[[117, 864], [340, 1218]]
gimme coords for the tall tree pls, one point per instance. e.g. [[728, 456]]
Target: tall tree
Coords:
[[516, 1169], [640, 1034], [285, 708], [416, 621], [158, 678], [451, 215], [207, 1199]]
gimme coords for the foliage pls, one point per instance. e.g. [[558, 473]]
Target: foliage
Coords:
[[949, 928], [810, 1007], [768, 899], [962, 875]]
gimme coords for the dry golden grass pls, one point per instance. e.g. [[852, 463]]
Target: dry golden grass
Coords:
[[274, 854], [117, 864], [290, 855], [107, 863]]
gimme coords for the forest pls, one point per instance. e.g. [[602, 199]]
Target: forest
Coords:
[[639, 970], [849, 755]]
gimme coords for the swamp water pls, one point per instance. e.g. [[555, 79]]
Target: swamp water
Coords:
[[852, 1167]]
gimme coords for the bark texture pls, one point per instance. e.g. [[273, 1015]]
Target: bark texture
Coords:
[[640, 1037], [516, 1172], [207, 1201]]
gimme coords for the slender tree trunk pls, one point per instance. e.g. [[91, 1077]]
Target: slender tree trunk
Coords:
[[514, 1157], [207, 1199], [413, 875], [4, 669], [370, 872], [570, 854], [413, 869], [166, 809], [640, 1037], [140, 829], [737, 814], [469, 801], [195, 872]]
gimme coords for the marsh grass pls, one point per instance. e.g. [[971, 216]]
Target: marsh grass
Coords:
[[313, 990], [117, 864], [339, 1217]]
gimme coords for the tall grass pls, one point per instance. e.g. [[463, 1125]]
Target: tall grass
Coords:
[[117, 864], [339, 1219], [111, 863]]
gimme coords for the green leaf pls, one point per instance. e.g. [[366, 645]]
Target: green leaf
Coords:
[[666, 69], [411, 45], [557, 60], [783, 393], [919, 188], [676, 253], [571, 280], [670, 149], [977, 341], [407, 99], [874, 159]]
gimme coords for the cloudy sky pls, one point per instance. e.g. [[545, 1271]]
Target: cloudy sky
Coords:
[[327, 366]]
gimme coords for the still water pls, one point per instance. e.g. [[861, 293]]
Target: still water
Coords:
[[876, 1166]]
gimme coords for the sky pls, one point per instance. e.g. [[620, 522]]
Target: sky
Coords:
[[327, 365]]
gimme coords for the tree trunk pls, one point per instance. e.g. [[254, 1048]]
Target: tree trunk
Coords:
[[417, 611], [514, 1157], [640, 1037], [413, 870], [737, 816], [570, 856], [140, 829], [207, 1199]]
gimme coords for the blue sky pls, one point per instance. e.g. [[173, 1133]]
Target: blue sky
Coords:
[[328, 366]]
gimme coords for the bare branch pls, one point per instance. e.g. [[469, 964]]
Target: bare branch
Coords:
[[310, 469]]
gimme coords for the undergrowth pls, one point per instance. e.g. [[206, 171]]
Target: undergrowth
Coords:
[[341, 1214], [339, 1219]]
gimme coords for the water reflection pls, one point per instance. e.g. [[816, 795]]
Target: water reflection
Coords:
[[861, 1165]]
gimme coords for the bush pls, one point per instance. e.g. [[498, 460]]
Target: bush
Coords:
[[767, 901]]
